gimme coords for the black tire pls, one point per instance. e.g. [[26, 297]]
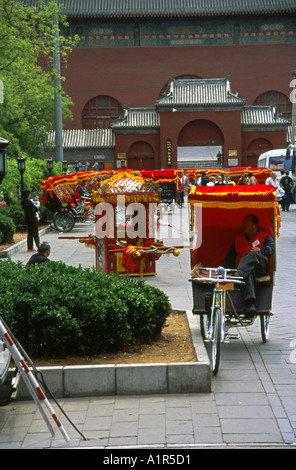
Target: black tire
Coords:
[[64, 221], [51, 220], [264, 326], [216, 341], [204, 320]]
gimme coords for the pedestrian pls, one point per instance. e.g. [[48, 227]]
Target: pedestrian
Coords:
[[42, 255], [31, 219], [272, 180], [36, 202], [204, 179], [180, 191], [212, 181], [242, 181], [219, 181], [287, 184], [251, 179]]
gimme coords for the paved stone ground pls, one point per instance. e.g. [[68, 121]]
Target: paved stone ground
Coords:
[[252, 403]]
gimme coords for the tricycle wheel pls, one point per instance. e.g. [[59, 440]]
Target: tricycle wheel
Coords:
[[264, 326], [216, 340], [204, 320], [51, 219], [64, 221]]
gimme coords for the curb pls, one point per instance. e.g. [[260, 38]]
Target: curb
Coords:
[[18, 246], [126, 379], [130, 379]]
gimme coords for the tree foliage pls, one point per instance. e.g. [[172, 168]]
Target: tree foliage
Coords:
[[27, 44]]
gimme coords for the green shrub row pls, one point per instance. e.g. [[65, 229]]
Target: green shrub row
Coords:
[[7, 228], [55, 309], [12, 219]]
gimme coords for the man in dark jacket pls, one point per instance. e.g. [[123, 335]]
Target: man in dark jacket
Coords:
[[42, 255], [286, 183], [31, 217]]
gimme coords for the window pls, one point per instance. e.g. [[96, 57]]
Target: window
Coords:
[[274, 98], [99, 112]]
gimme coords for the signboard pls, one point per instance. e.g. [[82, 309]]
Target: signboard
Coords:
[[232, 161], [168, 192], [169, 152]]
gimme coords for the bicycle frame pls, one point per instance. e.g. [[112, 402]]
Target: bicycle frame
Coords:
[[216, 333]]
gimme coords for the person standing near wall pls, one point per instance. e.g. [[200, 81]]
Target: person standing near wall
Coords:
[[31, 217]]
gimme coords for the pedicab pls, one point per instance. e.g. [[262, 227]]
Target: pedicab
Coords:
[[67, 206], [125, 238], [165, 182], [216, 215], [261, 174]]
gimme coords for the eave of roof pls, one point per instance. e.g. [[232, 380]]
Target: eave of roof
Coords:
[[170, 8]]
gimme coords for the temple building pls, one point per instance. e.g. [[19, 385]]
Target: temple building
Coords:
[[169, 83]]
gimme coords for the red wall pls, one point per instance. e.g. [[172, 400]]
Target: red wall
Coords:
[[135, 76]]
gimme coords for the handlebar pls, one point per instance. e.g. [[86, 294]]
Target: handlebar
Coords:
[[223, 278]]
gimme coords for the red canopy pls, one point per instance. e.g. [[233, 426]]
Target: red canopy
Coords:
[[218, 211]]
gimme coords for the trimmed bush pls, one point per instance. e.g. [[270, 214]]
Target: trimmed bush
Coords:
[[54, 309], [16, 213], [7, 228]]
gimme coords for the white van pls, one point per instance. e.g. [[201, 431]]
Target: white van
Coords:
[[273, 159], [276, 161]]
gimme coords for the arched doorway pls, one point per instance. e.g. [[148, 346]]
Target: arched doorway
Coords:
[[255, 148], [140, 156], [199, 142]]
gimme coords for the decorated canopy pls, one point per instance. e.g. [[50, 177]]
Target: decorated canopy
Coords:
[[134, 188], [261, 174], [217, 213]]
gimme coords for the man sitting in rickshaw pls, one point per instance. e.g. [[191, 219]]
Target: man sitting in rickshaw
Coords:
[[249, 255]]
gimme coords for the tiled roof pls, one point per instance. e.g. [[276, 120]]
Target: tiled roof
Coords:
[[200, 92], [85, 138], [141, 118], [262, 116], [131, 8]]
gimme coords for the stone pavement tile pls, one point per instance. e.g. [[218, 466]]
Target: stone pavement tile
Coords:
[[245, 411], [124, 441], [36, 440], [125, 415], [177, 413], [179, 427], [153, 405], [249, 426], [204, 406], [13, 434], [235, 386], [123, 429], [152, 421], [208, 435], [205, 420], [241, 398], [97, 422], [180, 440], [150, 436], [253, 438]]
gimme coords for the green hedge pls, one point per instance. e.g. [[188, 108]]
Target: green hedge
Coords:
[[16, 214], [55, 309], [7, 228]]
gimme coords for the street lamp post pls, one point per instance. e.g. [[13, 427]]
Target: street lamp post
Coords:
[[21, 165], [76, 165], [50, 165], [3, 158], [65, 166]]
